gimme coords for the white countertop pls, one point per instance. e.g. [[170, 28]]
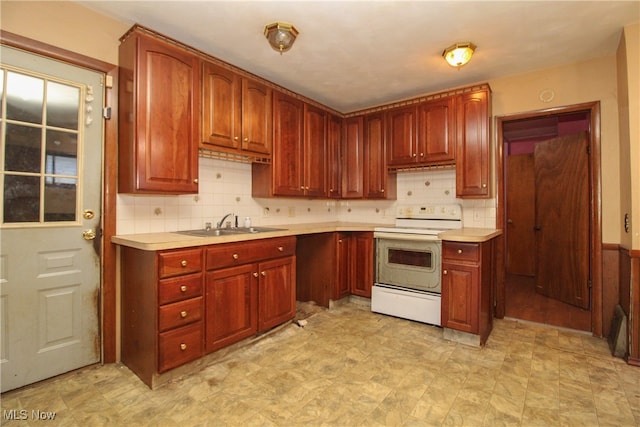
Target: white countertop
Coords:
[[470, 234]]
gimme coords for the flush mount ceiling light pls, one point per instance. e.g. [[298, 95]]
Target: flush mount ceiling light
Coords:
[[459, 54], [281, 36]]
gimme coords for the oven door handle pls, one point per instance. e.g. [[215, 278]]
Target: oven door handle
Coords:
[[405, 236]]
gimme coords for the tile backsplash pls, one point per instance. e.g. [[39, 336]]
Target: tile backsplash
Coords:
[[225, 187]]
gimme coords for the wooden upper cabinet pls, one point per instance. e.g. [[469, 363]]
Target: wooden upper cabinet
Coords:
[[236, 112], [422, 134], [402, 135], [353, 158], [472, 154], [159, 109], [334, 156], [315, 151], [437, 131], [288, 156], [377, 182]]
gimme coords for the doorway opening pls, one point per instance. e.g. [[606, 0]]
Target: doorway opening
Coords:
[[550, 217]]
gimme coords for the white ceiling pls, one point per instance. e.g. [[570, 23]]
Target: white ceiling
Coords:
[[352, 55]]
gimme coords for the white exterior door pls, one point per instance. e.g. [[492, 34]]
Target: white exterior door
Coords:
[[50, 207]]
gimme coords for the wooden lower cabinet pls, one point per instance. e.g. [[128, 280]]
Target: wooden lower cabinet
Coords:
[[331, 266], [179, 304], [467, 288]]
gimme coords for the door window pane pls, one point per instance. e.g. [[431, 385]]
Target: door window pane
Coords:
[[62, 153], [62, 105], [23, 150], [21, 198], [24, 98], [60, 200]]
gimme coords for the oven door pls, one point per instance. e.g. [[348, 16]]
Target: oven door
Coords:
[[409, 263]]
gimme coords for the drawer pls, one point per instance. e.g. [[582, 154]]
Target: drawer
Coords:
[[175, 263], [180, 346], [179, 313], [179, 288], [461, 251], [230, 254]]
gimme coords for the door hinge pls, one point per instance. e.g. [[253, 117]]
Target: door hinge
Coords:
[[588, 149], [106, 113], [589, 284]]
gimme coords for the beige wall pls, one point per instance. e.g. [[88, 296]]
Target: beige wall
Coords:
[[628, 60], [66, 25], [76, 28]]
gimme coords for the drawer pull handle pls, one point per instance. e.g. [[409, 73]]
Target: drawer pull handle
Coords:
[[183, 288], [183, 346], [183, 314], [264, 273], [183, 263], [459, 251], [255, 274], [445, 272], [235, 256], [280, 248]]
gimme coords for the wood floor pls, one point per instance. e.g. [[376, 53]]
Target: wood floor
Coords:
[[523, 302]]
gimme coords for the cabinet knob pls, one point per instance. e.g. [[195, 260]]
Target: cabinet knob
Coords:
[[484, 185], [183, 346], [263, 273], [302, 187], [306, 188], [444, 272], [414, 155], [280, 249], [340, 241], [183, 314], [382, 190], [183, 263], [235, 138], [246, 140], [195, 180], [183, 288], [255, 274], [235, 256], [421, 154], [459, 251]]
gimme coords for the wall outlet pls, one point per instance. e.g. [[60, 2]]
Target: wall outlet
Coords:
[[292, 211], [266, 211]]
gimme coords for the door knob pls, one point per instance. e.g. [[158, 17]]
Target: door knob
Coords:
[[89, 234], [509, 221]]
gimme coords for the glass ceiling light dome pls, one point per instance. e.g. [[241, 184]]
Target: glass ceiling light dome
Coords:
[[459, 54], [281, 36]]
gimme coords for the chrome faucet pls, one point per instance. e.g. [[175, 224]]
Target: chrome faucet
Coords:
[[221, 223]]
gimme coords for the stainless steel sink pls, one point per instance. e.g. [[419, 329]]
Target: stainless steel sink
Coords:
[[227, 231]]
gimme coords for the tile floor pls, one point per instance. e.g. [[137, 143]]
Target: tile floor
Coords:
[[351, 367]]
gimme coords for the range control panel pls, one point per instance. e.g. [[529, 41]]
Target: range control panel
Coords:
[[452, 212]]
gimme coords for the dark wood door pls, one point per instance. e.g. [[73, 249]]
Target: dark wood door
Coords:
[[361, 256], [276, 292], [562, 219], [221, 116], [520, 236], [231, 306], [288, 162], [353, 159], [342, 281], [334, 157], [460, 295], [472, 144], [436, 131], [256, 117], [315, 151], [401, 135], [375, 164]]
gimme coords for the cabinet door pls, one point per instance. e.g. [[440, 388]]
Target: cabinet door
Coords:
[[160, 88], [460, 296], [256, 117], [401, 135], [231, 305], [472, 153], [277, 292], [221, 114], [375, 167], [315, 152], [436, 131], [288, 162], [334, 157], [342, 286], [361, 247], [353, 159]]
